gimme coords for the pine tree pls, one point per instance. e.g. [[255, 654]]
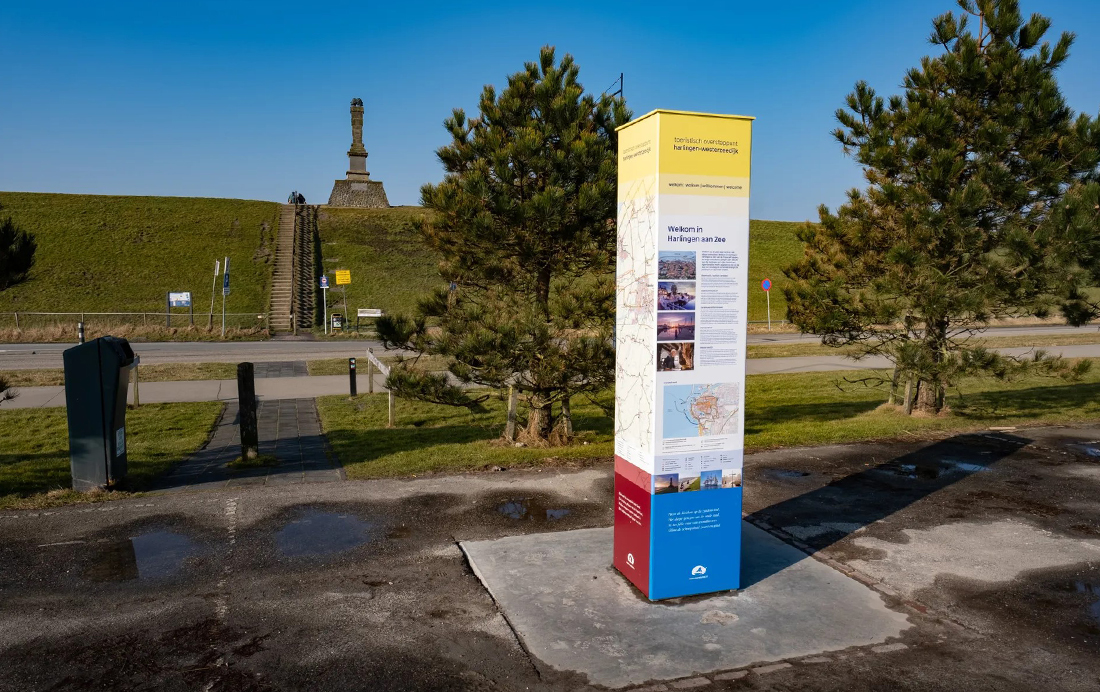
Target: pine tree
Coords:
[[969, 173], [17, 248], [524, 221]]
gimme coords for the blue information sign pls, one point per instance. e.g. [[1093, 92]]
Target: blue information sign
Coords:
[[225, 279], [324, 282]]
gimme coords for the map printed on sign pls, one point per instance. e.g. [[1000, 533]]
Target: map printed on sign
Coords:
[[699, 410]]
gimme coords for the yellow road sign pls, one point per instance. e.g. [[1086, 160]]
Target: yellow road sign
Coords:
[[343, 277]]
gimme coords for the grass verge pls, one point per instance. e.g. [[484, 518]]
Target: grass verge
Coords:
[[34, 460], [339, 366], [789, 350], [158, 372], [785, 410]]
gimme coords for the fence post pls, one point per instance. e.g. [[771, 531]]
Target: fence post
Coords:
[[391, 421], [370, 377], [17, 320]]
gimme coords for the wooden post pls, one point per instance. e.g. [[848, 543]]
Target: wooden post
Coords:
[[17, 320], [893, 388], [510, 427], [137, 392], [370, 377], [393, 417], [246, 400], [566, 417], [909, 395]]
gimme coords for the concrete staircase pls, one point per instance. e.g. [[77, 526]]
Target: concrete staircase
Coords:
[[282, 280]]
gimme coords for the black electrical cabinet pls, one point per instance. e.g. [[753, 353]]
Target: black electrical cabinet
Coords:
[[97, 375]]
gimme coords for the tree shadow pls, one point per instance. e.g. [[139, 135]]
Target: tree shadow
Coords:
[[828, 514], [816, 412]]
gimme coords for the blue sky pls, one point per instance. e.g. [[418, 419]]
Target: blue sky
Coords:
[[250, 100]]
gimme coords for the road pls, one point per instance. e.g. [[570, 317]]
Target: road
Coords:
[[31, 356]]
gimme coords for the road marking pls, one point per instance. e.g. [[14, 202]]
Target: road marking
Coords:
[[50, 545]]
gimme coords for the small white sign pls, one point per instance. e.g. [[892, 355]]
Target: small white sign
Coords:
[[181, 299], [382, 367]]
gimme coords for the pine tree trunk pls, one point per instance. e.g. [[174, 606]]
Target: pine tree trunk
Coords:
[[566, 418], [909, 395], [540, 422], [893, 387]]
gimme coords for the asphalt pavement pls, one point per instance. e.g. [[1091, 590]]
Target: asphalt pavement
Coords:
[[986, 545]]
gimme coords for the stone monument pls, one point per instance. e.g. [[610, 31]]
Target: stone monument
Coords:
[[357, 189]]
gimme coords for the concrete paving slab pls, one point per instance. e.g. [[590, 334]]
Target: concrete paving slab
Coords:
[[575, 613]]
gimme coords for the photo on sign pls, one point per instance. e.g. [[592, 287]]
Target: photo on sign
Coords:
[[689, 483], [710, 480], [675, 326], [731, 478], [675, 295], [666, 483], [676, 264], [675, 356]]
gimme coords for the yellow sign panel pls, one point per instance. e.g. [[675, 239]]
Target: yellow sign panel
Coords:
[[343, 277], [691, 153]]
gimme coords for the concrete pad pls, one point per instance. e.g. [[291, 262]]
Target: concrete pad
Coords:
[[575, 613]]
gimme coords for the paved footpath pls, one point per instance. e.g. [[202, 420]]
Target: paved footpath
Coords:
[[289, 430]]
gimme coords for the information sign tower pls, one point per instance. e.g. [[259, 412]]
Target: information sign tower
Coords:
[[682, 288]]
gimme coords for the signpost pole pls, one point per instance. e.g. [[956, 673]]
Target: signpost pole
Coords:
[[213, 291], [225, 292], [324, 299], [168, 310], [766, 284]]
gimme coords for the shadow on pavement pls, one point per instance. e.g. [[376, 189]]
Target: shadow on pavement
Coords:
[[830, 513]]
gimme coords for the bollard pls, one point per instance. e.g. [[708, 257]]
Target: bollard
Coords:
[[351, 377], [80, 332], [246, 400], [391, 419]]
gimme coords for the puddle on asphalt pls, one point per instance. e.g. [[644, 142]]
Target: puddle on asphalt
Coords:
[[154, 555], [1092, 590], [785, 473], [931, 471], [527, 509], [323, 533]]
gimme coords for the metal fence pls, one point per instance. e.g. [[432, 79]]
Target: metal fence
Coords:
[[180, 319]]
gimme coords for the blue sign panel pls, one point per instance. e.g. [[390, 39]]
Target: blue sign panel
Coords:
[[695, 542]]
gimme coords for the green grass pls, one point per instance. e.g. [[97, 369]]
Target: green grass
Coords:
[[781, 350], [156, 372], [390, 267], [431, 438], [99, 253], [772, 246], [34, 459], [786, 410]]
